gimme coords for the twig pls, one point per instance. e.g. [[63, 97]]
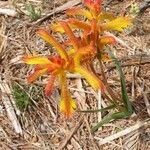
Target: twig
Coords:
[[74, 130], [145, 5], [75, 144], [58, 10], [99, 106], [113, 95], [9, 108], [131, 61], [80, 95], [3, 43], [133, 83], [147, 103], [95, 144], [103, 104], [8, 12], [82, 98], [73, 76], [122, 133]]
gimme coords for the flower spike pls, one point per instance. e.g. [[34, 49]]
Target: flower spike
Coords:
[[67, 104]]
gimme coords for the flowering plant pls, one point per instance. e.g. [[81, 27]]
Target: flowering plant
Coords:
[[76, 53]]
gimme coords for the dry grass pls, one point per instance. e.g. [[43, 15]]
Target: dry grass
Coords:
[[41, 126]]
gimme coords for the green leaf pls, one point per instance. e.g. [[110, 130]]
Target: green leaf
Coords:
[[127, 104], [125, 97], [21, 98], [97, 110], [33, 13], [107, 119]]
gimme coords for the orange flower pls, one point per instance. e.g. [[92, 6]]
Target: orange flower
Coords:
[[105, 20], [54, 66], [77, 51], [58, 66]]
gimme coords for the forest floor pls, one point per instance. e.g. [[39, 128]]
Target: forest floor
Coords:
[[31, 121]]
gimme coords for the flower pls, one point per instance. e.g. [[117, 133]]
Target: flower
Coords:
[[57, 66]]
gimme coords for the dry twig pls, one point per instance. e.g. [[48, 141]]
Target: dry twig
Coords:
[[58, 10], [74, 130], [122, 133], [9, 108], [147, 102], [8, 12]]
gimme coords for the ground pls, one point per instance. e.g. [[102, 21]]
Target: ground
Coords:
[[29, 120]]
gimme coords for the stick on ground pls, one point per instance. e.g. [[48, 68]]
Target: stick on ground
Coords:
[[122, 133]]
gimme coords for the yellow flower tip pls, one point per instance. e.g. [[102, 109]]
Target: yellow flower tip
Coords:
[[32, 60], [45, 35], [118, 24], [98, 85], [76, 11], [91, 78], [56, 27], [67, 107]]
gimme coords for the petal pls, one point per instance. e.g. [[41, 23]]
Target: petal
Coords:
[[105, 16], [32, 77], [49, 86], [67, 104], [35, 60], [56, 27], [117, 24], [70, 34], [71, 51], [51, 40], [102, 41], [94, 31], [93, 5], [107, 40], [79, 24], [79, 12], [83, 53], [90, 78]]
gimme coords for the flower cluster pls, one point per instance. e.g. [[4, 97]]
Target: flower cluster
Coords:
[[84, 41]]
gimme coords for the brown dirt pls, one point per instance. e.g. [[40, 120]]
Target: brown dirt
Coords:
[[44, 128]]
